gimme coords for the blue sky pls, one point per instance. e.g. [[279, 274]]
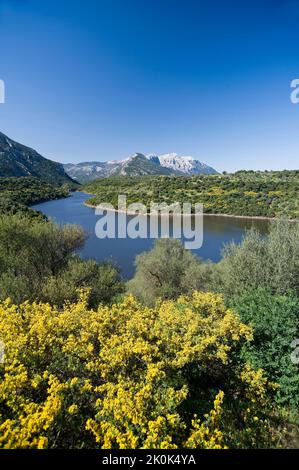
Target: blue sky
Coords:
[[98, 79]]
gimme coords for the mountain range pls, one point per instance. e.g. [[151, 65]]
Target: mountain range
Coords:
[[18, 160], [138, 165]]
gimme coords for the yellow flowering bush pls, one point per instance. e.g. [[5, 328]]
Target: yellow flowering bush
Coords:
[[127, 376]]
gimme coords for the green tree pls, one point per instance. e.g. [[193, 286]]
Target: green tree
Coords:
[[103, 280], [167, 271], [37, 262]]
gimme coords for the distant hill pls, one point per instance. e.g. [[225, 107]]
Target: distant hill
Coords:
[[138, 165], [17, 160], [244, 193]]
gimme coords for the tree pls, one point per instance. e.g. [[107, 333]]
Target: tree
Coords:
[[103, 281], [167, 271], [271, 262], [37, 262]]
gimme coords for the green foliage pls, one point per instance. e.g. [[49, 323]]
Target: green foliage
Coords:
[[271, 262], [260, 281], [167, 271], [267, 194], [16, 194], [16, 160], [275, 323], [102, 279], [37, 263]]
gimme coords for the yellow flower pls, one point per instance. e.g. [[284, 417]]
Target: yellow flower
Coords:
[[73, 409], [124, 368]]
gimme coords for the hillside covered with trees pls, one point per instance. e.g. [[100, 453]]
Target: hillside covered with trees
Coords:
[[186, 354], [245, 193], [17, 194]]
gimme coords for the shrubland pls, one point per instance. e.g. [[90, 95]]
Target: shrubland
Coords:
[[259, 280], [168, 271], [130, 376], [271, 262], [17, 194], [38, 261], [245, 193], [196, 354]]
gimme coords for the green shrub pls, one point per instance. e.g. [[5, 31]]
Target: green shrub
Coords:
[[275, 323], [271, 262], [37, 262], [167, 271], [103, 281]]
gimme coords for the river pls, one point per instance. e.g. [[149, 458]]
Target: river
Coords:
[[217, 231]]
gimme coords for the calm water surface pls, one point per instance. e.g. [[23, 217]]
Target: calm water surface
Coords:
[[217, 232]]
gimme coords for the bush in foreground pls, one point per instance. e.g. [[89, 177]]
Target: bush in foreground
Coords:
[[168, 271], [37, 262], [275, 323], [129, 376], [270, 262]]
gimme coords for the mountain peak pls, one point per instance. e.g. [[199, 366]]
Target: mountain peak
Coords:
[[139, 164], [184, 164]]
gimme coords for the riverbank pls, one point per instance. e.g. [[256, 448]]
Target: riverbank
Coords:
[[248, 217], [243, 195], [73, 210]]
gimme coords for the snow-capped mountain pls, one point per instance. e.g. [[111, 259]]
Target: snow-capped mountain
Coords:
[[138, 165], [184, 164]]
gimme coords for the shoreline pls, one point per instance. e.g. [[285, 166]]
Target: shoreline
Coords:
[[249, 217], [253, 217]]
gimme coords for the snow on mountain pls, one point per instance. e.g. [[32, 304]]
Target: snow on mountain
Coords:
[[138, 165], [183, 164]]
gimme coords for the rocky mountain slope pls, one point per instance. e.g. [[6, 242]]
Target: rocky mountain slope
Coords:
[[138, 165], [18, 160], [187, 165]]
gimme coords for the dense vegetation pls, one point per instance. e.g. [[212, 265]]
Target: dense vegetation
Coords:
[[194, 354], [16, 194], [37, 262], [129, 376], [37, 258], [167, 272], [245, 193], [258, 279]]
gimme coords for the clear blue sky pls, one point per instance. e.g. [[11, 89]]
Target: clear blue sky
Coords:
[[97, 80]]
